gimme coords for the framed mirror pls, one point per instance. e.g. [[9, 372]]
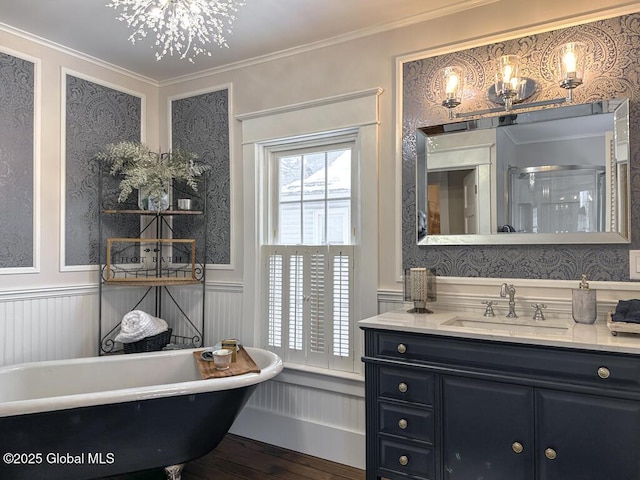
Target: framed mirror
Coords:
[[554, 175]]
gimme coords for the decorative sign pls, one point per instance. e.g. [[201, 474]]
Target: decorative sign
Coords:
[[150, 261]]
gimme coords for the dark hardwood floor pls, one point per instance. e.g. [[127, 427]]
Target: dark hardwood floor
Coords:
[[238, 458]]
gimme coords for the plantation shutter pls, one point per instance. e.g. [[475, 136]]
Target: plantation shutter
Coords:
[[309, 304], [274, 299]]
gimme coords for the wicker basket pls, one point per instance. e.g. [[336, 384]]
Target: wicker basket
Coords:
[[149, 344]]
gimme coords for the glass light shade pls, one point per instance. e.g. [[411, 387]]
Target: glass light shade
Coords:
[[507, 78], [452, 86], [571, 59]]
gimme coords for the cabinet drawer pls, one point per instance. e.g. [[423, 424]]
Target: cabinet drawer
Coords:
[[406, 384], [407, 459], [410, 422], [611, 370]]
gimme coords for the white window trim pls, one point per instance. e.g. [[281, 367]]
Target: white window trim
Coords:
[[357, 112]]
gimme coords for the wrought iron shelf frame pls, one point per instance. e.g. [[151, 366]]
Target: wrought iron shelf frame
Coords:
[[155, 227]]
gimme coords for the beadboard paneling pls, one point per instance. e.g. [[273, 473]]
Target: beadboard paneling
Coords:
[[51, 326], [59, 324], [62, 323]]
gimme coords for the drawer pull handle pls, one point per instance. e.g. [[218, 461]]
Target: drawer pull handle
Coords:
[[402, 423], [402, 348], [403, 387], [603, 372], [517, 447], [404, 460], [550, 453]]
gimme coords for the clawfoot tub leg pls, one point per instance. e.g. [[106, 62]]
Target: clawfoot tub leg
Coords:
[[174, 472]]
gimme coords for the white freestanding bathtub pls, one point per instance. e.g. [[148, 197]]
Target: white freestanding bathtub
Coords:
[[95, 417]]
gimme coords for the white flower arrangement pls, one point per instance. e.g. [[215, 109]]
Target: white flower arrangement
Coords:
[[148, 170]]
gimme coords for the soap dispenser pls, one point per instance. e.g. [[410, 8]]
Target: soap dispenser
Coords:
[[583, 302]]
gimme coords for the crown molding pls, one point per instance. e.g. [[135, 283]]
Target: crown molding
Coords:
[[77, 54]]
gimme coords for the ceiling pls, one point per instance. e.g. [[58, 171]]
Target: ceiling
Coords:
[[263, 28]]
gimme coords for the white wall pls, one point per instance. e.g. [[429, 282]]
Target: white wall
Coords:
[[370, 62], [54, 315], [51, 63]]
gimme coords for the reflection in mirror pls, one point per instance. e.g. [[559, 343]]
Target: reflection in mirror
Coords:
[[555, 175]]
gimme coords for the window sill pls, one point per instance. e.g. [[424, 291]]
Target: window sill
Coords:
[[323, 379]]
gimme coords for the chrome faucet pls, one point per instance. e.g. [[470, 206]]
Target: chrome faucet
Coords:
[[511, 291]]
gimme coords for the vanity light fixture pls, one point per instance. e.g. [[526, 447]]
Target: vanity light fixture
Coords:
[[419, 288], [453, 83], [510, 88]]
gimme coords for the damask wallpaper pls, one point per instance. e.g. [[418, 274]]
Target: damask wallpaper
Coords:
[[200, 124], [612, 72], [16, 162], [95, 116]]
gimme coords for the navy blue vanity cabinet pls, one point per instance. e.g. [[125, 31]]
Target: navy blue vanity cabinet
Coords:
[[587, 437], [405, 422], [453, 408], [400, 411], [487, 430]]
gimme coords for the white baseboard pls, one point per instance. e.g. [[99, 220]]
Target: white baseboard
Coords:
[[323, 441]]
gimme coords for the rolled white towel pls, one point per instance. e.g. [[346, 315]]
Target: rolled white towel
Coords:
[[137, 325]]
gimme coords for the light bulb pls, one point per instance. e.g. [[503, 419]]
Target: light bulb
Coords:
[[452, 84], [506, 75], [570, 62]]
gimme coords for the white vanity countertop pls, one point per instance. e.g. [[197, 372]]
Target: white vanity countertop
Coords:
[[555, 333]]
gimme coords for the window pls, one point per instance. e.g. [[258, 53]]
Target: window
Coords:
[[309, 257], [313, 196]]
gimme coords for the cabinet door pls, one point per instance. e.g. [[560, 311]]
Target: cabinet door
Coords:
[[587, 437], [487, 430]]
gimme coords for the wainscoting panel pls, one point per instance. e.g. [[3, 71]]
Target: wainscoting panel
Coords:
[[318, 422], [311, 404], [223, 313], [62, 323], [49, 325], [314, 418]]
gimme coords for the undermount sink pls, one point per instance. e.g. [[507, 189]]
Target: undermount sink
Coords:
[[512, 326]]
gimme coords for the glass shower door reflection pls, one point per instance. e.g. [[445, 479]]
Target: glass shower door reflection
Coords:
[[557, 199]]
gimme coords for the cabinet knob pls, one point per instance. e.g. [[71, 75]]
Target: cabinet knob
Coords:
[[550, 453], [603, 372], [404, 460], [402, 423], [403, 387], [517, 447], [402, 348]]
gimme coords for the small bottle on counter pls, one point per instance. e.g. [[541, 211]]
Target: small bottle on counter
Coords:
[[583, 302]]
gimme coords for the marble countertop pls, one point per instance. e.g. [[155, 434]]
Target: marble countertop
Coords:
[[556, 333]]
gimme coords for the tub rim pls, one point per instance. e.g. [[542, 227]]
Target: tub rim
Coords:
[[79, 400]]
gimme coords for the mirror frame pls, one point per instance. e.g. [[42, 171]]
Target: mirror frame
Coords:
[[615, 106]]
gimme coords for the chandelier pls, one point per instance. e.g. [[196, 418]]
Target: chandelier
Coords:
[[182, 27]]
